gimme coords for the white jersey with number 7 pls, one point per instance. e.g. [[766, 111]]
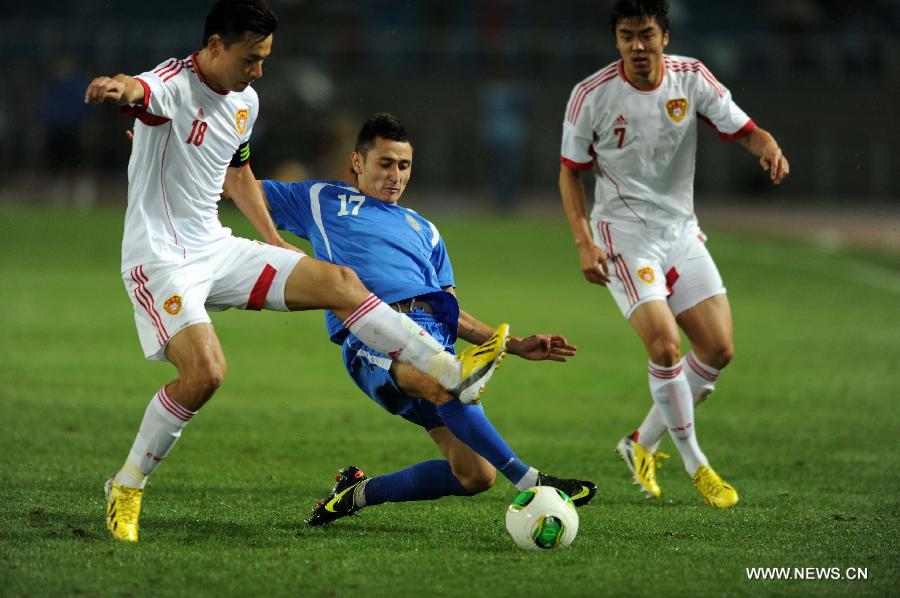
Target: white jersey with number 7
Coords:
[[643, 144]]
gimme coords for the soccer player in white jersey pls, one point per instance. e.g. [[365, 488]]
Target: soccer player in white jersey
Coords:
[[635, 123], [191, 137]]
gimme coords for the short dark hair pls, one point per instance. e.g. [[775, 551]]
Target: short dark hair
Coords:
[[640, 9], [234, 19], [384, 125]]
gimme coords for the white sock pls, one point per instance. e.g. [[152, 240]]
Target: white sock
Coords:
[[528, 480], [359, 494], [702, 380], [672, 395], [392, 333], [161, 427], [701, 377]]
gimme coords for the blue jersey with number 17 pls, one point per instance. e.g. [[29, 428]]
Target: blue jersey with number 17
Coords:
[[396, 253]]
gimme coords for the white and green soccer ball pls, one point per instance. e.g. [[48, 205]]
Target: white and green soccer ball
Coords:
[[542, 518]]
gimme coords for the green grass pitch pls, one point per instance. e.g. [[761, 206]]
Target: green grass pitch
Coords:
[[804, 424]]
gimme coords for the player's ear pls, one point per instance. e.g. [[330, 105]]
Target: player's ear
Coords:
[[665, 39], [356, 162], [214, 45]]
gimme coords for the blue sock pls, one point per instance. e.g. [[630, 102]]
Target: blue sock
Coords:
[[471, 425], [423, 481]]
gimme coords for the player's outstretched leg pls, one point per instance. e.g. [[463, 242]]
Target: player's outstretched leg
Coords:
[[352, 491], [478, 364], [580, 491], [340, 502], [314, 284], [642, 463]]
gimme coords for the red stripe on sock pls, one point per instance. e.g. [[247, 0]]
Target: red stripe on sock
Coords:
[[656, 372], [370, 303], [172, 407], [703, 373]]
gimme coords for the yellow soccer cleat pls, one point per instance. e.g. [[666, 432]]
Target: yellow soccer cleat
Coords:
[[478, 365], [716, 491], [123, 509], [643, 465]]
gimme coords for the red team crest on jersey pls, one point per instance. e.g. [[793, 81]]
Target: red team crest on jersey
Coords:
[[646, 274], [677, 109], [173, 305], [240, 120]]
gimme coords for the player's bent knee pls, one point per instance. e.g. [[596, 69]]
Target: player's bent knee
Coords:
[[723, 357], [204, 379], [665, 352], [346, 286]]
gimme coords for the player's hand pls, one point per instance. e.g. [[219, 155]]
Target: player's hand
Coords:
[[774, 162], [104, 89], [540, 347], [593, 264], [285, 245]]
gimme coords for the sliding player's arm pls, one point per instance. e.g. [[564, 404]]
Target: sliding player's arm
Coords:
[[537, 347]]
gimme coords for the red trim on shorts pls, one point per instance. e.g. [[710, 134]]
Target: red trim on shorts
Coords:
[[671, 278], [629, 283], [143, 296], [261, 288]]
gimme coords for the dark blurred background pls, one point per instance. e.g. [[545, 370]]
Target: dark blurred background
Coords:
[[482, 85]]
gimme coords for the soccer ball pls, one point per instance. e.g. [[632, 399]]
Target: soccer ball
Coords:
[[542, 518]]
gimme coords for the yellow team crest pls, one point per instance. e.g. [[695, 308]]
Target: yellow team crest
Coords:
[[240, 120], [677, 109], [646, 274], [173, 305]]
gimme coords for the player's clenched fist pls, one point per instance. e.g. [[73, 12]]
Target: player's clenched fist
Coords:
[[120, 89], [104, 89]]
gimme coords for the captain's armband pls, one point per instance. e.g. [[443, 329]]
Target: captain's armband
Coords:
[[241, 156]]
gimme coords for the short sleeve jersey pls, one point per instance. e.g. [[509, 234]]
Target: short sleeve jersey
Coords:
[[185, 136], [643, 144], [396, 253]]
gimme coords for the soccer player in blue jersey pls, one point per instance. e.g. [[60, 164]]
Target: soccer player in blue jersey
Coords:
[[402, 258]]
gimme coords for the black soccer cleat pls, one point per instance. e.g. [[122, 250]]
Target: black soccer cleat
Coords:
[[340, 502], [580, 491]]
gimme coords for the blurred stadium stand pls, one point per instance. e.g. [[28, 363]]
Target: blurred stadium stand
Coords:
[[471, 78]]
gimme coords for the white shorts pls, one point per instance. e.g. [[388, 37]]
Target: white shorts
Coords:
[[169, 296], [670, 264]]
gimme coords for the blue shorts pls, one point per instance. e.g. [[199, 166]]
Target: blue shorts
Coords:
[[371, 372]]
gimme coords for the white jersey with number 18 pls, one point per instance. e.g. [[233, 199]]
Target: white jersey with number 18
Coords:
[[643, 144], [185, 136]]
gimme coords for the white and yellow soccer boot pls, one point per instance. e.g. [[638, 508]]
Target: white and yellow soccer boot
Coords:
[[643, 465]]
